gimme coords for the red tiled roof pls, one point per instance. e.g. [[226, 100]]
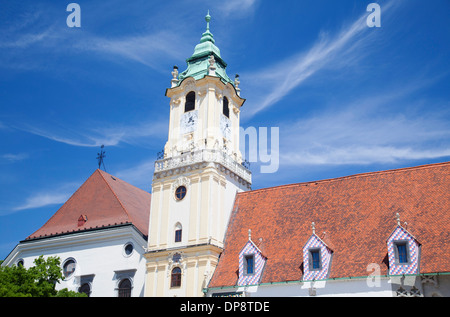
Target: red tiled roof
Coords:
[[102, 201], [355, 215]]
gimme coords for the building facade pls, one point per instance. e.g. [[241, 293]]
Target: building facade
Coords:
[[100, 235], [375, 234], [204, 232], [195, 184]]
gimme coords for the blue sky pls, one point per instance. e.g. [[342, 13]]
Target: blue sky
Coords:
[[347, 98]]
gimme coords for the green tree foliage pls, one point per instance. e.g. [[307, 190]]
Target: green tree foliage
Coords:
[[37, 281]]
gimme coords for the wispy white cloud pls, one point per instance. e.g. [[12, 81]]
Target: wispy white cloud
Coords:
[[46, 197], [102, 134], [42, 200], [139, 175], [10, 157], [338, 51], [360, 155], [148, 49], [28, 39], [363, 133], [239, 7]]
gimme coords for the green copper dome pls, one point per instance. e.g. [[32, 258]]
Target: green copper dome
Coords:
[[198, 63]]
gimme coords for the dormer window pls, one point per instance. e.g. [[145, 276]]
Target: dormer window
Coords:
[[226, 109], [315, 262], [249, 264], [401, 249], [190, 102], [316, 258]]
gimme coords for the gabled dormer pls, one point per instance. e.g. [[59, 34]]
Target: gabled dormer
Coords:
[[403, 251], [251, 263], [316, 258]]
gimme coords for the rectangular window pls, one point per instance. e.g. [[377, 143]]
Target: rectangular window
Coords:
[[314, 260], [402, 252], [249, 264]]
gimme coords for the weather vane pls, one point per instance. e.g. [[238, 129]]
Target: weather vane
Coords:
[[100, 158]]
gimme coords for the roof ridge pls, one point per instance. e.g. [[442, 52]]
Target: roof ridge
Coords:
[[327, 180], [114, 193]]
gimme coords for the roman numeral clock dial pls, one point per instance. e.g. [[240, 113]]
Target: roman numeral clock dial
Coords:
[[225, 127], [189, 122]]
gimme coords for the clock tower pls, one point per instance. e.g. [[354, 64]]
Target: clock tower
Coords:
[[196, 181]]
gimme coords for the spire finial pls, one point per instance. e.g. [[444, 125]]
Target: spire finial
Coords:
[[207, 18], [313, 226], [397, 216], [249, 234], [207, 36]]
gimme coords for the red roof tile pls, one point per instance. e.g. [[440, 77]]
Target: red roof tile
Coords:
[[102, 201], [355, 215]]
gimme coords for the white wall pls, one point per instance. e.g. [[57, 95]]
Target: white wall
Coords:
[[355, 287]]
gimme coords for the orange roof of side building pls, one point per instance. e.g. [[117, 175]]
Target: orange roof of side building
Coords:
[[354, 215], [102, 201]]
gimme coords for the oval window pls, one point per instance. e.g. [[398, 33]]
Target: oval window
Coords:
[[69, 268], [128, 249], [180, 193]]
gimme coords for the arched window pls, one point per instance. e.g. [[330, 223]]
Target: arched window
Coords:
[[176, 277], [178, 232], [190, 102], [85, 288], [226, 109], [125, 288]]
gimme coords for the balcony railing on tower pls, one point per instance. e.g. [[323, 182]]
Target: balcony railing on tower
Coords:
[[205, 155]]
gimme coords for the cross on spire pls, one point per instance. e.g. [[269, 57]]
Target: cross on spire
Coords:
[[100, 157]]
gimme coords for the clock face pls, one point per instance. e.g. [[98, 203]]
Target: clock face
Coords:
[[225, 127], [189, 121]]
